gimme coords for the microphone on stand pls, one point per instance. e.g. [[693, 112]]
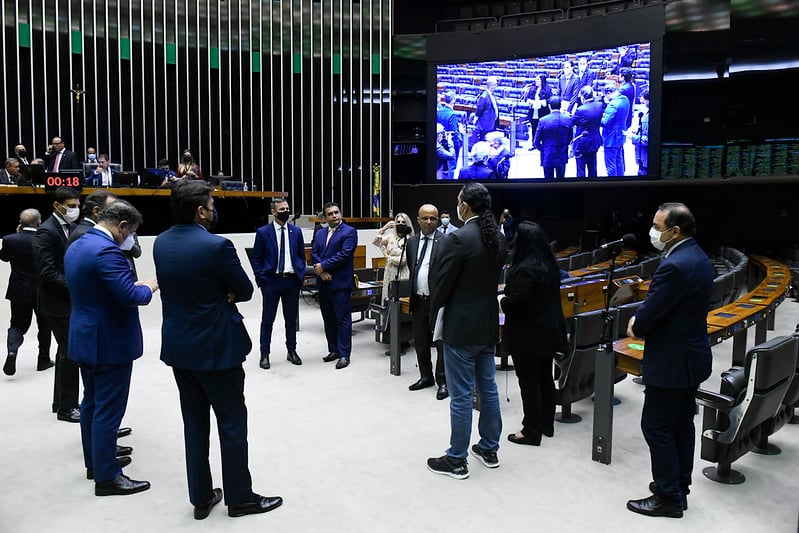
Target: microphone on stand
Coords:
[[626, 241]]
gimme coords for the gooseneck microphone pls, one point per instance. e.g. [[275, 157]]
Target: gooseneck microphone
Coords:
[[626, 241]]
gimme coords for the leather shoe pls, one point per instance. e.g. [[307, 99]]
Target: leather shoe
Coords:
[[202, 511], [10, 368], [442, 393], [124, 450], [120, 486], [265, 362], [123, 432], [43, 363], [262, 504], [422, 384], [530, 441], [293, 358], [70, 415], [655, 506], [653, 488], [332, 356], [121, 461], [344, 362]]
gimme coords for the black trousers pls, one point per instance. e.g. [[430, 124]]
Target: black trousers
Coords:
[[21, 318], [423, 340], [65, 385], [538, 395]]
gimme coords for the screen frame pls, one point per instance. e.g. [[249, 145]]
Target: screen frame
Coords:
[[639, 25]]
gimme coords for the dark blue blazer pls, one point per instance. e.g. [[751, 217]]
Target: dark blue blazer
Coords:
[[552, 138], [95, 180], [24, 280], [265, 252], [586, 119], [196, 271], [104, 327], [673, 320], [336, 257], [484, 113]]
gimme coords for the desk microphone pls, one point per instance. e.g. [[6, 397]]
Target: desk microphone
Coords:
[[628, 241]]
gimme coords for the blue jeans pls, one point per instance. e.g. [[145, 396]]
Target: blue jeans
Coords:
[[466, 366]]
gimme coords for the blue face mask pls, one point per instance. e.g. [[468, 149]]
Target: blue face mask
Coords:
[[92, 157], [445, 222]]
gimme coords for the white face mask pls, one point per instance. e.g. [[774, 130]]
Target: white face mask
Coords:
[[128, 243], [654, 236], [460, 216], [72, 214], [445, 222], [92, 157]]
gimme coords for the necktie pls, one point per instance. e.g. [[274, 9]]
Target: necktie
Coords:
[[329, 234], [421, 254], [281, 261], [57, 162]]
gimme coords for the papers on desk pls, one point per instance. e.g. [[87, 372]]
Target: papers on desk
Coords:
[[438, 330]]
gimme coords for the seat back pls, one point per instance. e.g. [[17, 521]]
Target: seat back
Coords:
[[575, 371], [626, 312]]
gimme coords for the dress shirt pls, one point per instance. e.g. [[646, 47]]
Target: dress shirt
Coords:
[[288, 268], [423, 269]]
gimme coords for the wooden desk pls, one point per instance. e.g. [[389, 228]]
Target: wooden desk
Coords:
[[566, 252], [135, 191], [625, 257], [358, 260]]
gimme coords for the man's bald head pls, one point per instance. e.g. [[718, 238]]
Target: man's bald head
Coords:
[[427, 219], [30, 218]]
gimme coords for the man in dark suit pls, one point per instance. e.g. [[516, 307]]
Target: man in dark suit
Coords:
[[585, 77], [10, 174], [61, 159], [103, 174], [587, 138], [49, 246], [447, 117], [677, 357], [21, 155], [278, 260], [568, 85], [486, 111], [204, 340], [422, 263], [479, 169], [22, 287], [332, 256], [92, 205], [465, 295], [614, 122], [552, 140], [105, 337]]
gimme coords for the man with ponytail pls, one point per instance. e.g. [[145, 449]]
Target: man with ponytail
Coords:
[[465, 296]]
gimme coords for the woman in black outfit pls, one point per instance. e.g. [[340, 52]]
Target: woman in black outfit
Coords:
[[534, 328]]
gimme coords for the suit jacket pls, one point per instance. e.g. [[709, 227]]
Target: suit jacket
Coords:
[[8, 179], [49, 246], [673, 320], [465, 283], [196, 270], [477, 171], [96, 180], [485, 113], [266, 248], [104, 326], [614, 121], [628, 89], [568, 89], [336, 257], [587, 118], [412, 251], [534, 323], [24, 281], [69, 161], [80, 230], [552, 138]]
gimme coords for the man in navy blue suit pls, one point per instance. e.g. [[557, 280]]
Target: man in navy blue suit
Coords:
[[105, 337], [332, 256], [677, 357], [552, 139], [204, 340], [278, 260]]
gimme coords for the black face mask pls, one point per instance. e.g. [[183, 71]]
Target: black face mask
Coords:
[[187, 159], [283, 216], [22, 153]]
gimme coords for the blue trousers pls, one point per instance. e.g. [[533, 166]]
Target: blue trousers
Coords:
[[336, 309], [466, 366], [285, 290], [105, 398]]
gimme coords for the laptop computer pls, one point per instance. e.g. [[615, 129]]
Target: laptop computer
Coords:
[[151, 178], [126, 179]]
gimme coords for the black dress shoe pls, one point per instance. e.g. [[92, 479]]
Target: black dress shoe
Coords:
[[120, 486], [10, 368], [442, 393], [121, 461], [529, 441], [653, 488], [265, 362], [124, 450], [332, 356], [344, 362], [293, 358], [262, 504], [44, 362], [70, 415], [422, 384], [202, 511], [123, 432], [655, 506]]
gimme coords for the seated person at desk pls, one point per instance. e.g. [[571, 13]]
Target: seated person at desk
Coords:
[[187, 168], [103, 175], [10, 174], [169, 174]]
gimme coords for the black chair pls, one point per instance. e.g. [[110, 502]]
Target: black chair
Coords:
[[722, 288], [733, 418], [574, 371], [649, 266], [783, 416], [626, 312]]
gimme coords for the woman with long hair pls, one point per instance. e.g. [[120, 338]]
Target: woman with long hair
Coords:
[[392, 244], [534, 328], [187, 168]]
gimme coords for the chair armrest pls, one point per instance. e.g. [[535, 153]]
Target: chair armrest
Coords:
[[714, 400]]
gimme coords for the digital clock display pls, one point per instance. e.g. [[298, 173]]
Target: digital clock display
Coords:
[[54, 180]]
